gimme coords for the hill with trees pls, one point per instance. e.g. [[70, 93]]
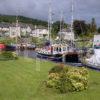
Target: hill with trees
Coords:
[[80, 26], [26, 20]]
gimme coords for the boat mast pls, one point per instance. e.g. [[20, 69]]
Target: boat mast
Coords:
[[61, 19], [50, 21], [72, 21], [16, 29], [72, 15]]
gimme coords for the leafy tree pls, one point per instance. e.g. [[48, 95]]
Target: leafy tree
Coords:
[[7, 41], [93, 26], [80, 27], [56, 27], [99, 30], [12, 19]]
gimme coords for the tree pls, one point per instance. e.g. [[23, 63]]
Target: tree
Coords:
[[93, 26], [80, 27], [99, 30], [56, 28]]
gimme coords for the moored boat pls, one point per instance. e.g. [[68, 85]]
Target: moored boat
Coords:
[[58, 52], [94, 60], [2, 46]]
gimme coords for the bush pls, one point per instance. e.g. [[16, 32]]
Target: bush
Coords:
[[53, 79], [8, 55], [68, 79], [56, 69]]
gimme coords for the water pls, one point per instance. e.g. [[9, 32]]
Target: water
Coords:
[[32, 54], [26, 53]]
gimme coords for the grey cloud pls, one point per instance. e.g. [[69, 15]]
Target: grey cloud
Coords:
[[84, 9]]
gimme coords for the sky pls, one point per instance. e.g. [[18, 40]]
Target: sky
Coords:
[[83, 9]]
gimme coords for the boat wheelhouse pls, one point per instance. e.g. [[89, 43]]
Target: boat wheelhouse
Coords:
[[54, 49]]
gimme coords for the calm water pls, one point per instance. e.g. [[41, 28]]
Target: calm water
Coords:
[[32, 54], [27, 53]]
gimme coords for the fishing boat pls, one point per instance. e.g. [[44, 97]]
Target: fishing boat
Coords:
[[59, 51], [10, 48], [94, 60], [53, 52]]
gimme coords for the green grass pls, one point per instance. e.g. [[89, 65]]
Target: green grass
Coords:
[[22, 80]]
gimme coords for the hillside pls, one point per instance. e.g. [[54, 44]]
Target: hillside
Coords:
[[26, 20]]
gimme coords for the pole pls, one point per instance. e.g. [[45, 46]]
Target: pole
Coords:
[[72, 20], [72, 16], [49, 21], [61, 19]]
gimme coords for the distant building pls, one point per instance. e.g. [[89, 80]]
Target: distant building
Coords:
[[17, 30], [40, 33], [66, 34], [4, 29], [28, 29], [14, 32]]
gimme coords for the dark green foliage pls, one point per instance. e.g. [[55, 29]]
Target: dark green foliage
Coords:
[[12, 19], [80, 27], [7, 40], [99, 30], [8, 55], [56, 69], [38, 42], [93, 26], [56, 28]]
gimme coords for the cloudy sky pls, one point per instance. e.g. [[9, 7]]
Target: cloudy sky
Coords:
[[83, 9]]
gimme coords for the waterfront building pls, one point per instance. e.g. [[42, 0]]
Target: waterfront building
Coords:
[[14, 32], [66, 34], [40, 33]]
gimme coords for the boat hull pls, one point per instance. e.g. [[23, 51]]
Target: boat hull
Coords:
[[67, 58], [10, 48], [56, 58]]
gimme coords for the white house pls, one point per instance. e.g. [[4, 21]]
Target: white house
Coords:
[[66, 34], [14, 32], [4, 29], [40, 33], [28, 29]]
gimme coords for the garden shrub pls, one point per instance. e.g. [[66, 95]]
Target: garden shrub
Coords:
[[7, 55], [56, 69], [53, 79], [68, 79]]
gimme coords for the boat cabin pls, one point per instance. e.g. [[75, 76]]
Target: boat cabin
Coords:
[[54, 49], [59, 49]]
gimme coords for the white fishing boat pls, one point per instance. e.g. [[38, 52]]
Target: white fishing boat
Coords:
[[94, 60], [59, 51]]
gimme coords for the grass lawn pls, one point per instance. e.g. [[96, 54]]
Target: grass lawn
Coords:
[[20, 80]]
